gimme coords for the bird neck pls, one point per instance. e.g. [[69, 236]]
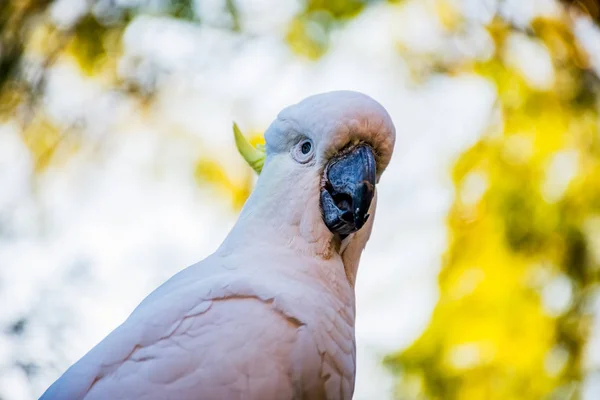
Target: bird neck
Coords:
[[291, 221], [284, 210]]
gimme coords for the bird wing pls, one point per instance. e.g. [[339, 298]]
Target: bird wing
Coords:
[[213, 332]]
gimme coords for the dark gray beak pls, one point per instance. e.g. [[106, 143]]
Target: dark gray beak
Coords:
[[348, 190]]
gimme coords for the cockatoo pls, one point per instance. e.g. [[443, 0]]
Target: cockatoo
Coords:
[[269, 315]]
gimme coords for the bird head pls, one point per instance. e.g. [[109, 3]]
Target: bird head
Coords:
[[321, 162]]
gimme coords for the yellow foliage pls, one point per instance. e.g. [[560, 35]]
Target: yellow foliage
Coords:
[[44, 139], [211, 172], [257, 139], [308, 33], [447, 14], [519, 225], [96, 48], [307, 36], [337, 8]]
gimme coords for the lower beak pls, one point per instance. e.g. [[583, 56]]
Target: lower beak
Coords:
[[348, 191]]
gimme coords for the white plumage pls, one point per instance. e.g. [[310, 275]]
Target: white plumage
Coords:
[[269, 315]]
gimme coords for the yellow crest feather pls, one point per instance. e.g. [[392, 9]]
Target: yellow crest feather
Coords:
[[254, 156]]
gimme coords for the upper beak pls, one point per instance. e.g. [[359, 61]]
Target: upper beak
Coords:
[[348, 190]]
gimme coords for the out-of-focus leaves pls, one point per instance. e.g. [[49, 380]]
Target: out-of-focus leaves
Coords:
[[182, 9], [447, 14], [337, 8], [14, 23], [87, 44], [308, 34], [209, 171], [512, 321], [44, 139], [589, 7], [96, 47], [94, 41], [232, 9]]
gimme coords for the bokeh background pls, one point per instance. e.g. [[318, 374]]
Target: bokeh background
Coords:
[[118, 169]]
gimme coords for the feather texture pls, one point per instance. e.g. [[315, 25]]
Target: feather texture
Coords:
[[269, 315]]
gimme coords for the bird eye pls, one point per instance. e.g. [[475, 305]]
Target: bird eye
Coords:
[[306, 147], [303, 151]]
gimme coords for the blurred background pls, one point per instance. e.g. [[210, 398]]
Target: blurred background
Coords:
[[118, 169]]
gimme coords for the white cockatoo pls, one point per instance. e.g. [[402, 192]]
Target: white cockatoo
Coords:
[[269, 315]]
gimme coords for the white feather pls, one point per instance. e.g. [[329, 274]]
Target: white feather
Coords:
[[270, 315]]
